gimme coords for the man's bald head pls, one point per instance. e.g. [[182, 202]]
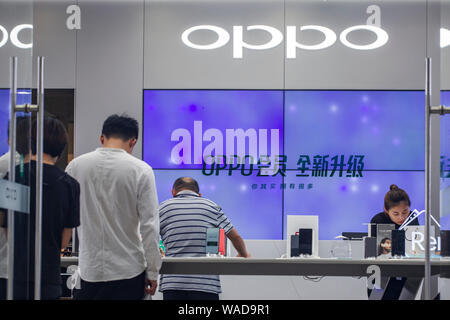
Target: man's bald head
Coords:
[[185, 183]]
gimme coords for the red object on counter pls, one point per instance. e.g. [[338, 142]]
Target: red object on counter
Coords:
[[222, 242]]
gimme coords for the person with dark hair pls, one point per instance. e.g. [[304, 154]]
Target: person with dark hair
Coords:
[[385, 246], [60, 214], [55, 138], [121, 127], [184, 220], [22, 150], [185, 183], [396, 208], [119, 235]]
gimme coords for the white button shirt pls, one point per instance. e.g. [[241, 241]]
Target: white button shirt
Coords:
[[119, 230]]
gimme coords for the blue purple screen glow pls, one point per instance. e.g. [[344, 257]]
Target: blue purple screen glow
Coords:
[[4, 118], [255, 214], [23, 96], [345, 204], [385, 126], [445, 163], [199, 112], [445, 127]]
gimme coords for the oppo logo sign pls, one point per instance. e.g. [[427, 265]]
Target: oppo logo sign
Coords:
[[14, 36], [276, 38]]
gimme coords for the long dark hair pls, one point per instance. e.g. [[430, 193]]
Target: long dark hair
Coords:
[[380, 248]]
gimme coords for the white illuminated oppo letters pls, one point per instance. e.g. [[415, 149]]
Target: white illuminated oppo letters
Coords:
[[239, 44], [4, 36], [14, 36], [292, 43], [223, 39], [382, 37], [445, 37]]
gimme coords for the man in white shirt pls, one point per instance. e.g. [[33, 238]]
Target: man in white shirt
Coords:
[[119, 232]]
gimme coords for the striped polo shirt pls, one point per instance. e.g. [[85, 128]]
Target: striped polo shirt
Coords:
[[183, 223]]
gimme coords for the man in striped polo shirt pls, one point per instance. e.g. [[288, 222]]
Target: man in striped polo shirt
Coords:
[[183, 223]]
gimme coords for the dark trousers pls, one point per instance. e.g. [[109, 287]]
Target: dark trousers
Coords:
[[189, 295], [128, 289]]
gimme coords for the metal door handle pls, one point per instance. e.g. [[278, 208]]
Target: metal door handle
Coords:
[[39, 109], [39, 166]]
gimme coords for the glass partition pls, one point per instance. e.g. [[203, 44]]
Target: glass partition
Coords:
[[17, 228], [342, 123], [291, 114], [444, 282], [356, 121], [55, 33]]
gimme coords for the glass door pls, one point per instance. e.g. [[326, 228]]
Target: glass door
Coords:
[[354, 80], [444, 281], [16, 219]]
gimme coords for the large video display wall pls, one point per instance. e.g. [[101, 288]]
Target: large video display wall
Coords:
[[4, 118], [445, 164], [326, 153]]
